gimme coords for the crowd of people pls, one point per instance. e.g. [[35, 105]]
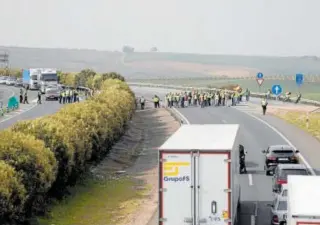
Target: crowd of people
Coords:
[[205, 99]]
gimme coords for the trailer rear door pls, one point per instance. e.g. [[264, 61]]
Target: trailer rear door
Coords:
[[213, 196], [175, 188]]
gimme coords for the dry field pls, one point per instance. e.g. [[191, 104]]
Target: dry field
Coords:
[[205, 69]]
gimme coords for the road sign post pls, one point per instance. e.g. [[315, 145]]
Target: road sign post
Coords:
[[299, 80], [276, 90], [259, 80]]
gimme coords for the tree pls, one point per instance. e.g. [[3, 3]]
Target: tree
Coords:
[[112, 75], [85, 75], [127, 49], [153, 49]]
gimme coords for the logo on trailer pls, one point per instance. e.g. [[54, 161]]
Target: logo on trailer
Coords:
[[171, 171]]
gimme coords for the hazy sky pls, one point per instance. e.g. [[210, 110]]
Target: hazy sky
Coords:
[[258, 27]]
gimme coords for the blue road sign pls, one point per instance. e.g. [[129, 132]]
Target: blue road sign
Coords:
[[299, 79], [259, 75], [276, 89]]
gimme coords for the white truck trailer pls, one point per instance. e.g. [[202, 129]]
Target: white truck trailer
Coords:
[[199, 176], [303, 200], [48, 77]]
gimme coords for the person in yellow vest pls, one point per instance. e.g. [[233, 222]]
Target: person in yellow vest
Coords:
[[156, 101], [264, 104]]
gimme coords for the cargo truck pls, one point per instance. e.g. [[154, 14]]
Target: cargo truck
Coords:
[[48, 78], [303, 200], [199, 176], [30, 78]]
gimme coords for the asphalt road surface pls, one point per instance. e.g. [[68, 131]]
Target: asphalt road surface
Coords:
[[257, 133], [26, 112]]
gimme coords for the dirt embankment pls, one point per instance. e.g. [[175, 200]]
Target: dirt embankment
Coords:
[[122, 189], [136, 156]]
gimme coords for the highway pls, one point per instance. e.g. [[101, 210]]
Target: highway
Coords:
[[257, 133]]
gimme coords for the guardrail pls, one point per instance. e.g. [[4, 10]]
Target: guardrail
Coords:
[[252, 94]]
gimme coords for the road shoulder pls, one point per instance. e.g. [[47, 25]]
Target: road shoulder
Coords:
[[307, 144]]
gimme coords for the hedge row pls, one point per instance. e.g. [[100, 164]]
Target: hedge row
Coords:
[[11, 72], [40, 158], [87, 78]]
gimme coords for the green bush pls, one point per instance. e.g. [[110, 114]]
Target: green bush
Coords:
[[53, 134], [48, 154], [12, 193], [33, 161]]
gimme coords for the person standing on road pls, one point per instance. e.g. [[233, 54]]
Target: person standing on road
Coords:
[[60, 96], [156, 101], [264, 104], [39, 97], [26, 98], [75, 95], [64, 97], [21, 95], [142, 102]]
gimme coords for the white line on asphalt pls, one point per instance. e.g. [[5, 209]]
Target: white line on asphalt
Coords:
[[181, 115], [10, 117], [250, 179], [144, 110], [284, 138], [253, 220]]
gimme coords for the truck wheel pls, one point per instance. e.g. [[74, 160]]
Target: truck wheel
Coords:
[[267, 173]]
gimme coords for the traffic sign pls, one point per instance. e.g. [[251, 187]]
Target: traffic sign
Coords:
[[259, 75], [276, 89], [299, 79], [260, 81]]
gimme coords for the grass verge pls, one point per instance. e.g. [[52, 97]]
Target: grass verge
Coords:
[[98, 202], [299, 119]]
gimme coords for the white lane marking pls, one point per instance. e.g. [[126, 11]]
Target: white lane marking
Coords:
[[250, 179], [144, 110], [253, 220], [181, 115], [9, 117], [304, 161]]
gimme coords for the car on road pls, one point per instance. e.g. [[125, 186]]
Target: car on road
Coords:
[[279, 209], [3, 80], [279, 154], [19, 83], [283, 170], [52, 94], [283, 192], [11, 81]]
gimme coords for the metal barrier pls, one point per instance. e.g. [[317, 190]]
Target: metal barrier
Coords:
[[252, 94]]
